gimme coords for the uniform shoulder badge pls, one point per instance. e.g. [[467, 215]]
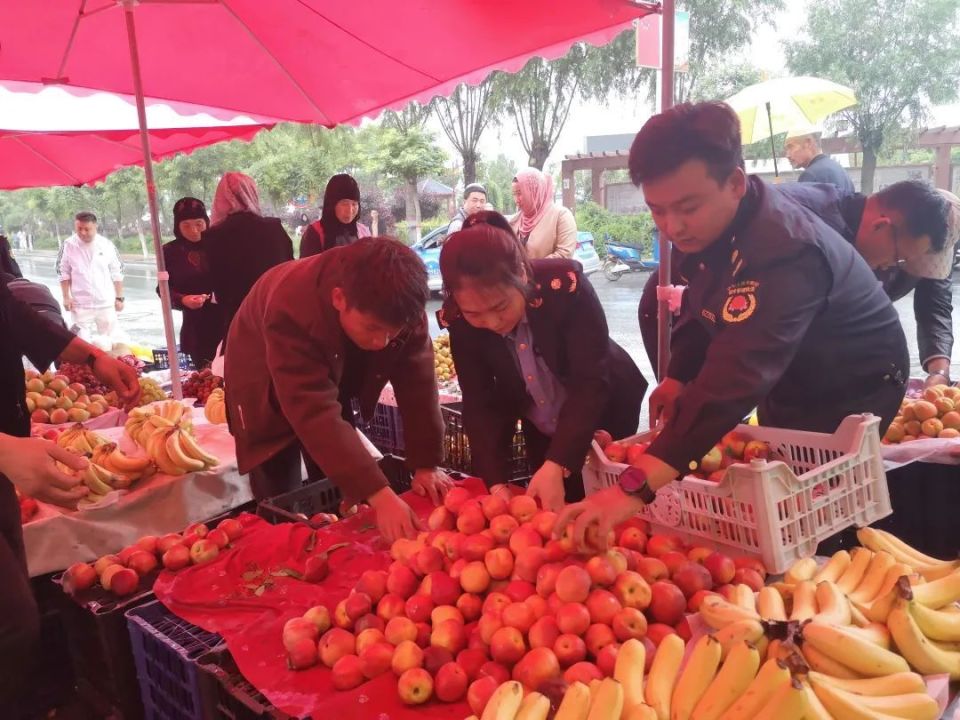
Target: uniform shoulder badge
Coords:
[[741, 301]]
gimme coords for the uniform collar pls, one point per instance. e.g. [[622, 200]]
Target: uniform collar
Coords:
[[720, 249]]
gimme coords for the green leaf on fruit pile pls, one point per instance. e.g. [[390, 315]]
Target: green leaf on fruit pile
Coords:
[[312, 542], [335, 547], [287, 572], [366, 528], [259, 591], [251, 575]]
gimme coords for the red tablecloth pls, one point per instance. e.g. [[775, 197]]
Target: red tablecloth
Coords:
[[222, 597]]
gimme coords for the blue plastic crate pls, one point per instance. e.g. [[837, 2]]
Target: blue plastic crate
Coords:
[[165, 651]]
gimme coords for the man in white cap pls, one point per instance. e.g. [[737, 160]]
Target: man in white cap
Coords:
[[803, 151], [907, 233]]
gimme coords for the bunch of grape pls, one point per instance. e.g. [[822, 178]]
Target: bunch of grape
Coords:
[[201, 384], [84, 375], [150, 391]]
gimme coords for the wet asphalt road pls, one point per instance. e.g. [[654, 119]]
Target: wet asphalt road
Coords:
[[141, 317]]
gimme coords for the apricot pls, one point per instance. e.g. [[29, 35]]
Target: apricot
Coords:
[[949, 433], [951, 420], [908, 413], [924, 410], [912, 427], [943, 405], [894, 433], [931, 427]]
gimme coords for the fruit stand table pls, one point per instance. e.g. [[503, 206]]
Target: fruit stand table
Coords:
[[56, 538]]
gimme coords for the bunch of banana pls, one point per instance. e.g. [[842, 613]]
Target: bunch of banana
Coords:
[[176, 452], [925, 626], [902, 695], [111, 458], [146, 421], [930, 568], [99, 481], [79, 439]]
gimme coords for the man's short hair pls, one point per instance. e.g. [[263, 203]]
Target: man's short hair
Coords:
[[472, 188], [922, 206], [707, 131], [85, 217], [386, 279]]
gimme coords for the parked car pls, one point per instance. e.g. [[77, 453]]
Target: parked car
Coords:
[[428, 248], [586, 253]]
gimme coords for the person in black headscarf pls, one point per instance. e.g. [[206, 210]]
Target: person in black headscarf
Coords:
[[190, 284], [338, 221], [7, 263]]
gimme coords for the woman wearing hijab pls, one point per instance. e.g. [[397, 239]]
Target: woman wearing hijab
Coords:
[[546, 229], [241, 244], [190, 283], [338, 224], [7, 263]]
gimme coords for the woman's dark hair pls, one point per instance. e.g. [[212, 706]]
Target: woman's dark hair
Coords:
[[923, 207], [486, 252], [707, 131], [7, 263], [386, 279]]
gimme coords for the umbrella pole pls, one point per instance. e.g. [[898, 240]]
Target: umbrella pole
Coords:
[[664, 274], [773, 148], [162, 277]]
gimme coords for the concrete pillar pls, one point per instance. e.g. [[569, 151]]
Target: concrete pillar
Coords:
[[569, 188], [596, 175], [942, 169]]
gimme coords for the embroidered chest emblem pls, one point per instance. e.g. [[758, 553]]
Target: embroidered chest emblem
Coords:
[[741, 301]]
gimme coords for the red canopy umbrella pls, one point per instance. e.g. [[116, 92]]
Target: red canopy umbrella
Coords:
[[304, 60]]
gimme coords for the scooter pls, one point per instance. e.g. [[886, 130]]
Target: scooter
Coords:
[[622, 259]]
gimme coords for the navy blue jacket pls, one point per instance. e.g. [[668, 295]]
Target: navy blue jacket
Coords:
[[824, 169]]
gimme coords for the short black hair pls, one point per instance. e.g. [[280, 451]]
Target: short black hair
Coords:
[[472, 188], [386, 279], [923, 207], [707, 131], [85, 216]]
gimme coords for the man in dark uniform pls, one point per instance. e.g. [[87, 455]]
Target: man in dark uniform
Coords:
[[28, 465], [907, 233], [780, 313], [803, 151]]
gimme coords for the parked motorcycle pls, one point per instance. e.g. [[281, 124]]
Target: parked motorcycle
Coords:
[[622, 259]]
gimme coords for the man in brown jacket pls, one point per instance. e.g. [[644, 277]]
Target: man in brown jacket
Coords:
[[314, 334]]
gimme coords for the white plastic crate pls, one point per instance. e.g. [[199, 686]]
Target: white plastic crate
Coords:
[[813, 486]]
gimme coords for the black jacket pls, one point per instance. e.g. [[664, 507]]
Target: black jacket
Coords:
[[781, 314], [189, 269], [35, 295], [241, 249], [824, 169], [603, 385], [932, 299]]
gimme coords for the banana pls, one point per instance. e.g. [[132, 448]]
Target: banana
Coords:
[[176, 453], [850, 649], [787, 703], [192, 448], [859, 561], [126, 464], [834, 568], [857, 617], [874, 577], [90, 500], [881, 540], [504, 703], [157, 449], [897, 684], [935, 572], [845, 706], [733, 679], [158, 421], [640, 712], [877, 633], [920, 652], [915, 706], [773, 674], [695, 678], [663, 675], [801, 570], [936, 624], [574, 706], [878, 610], [534, 707], [833, 606], [770, 604], [821, 662], [735, 633], [939, 593], [804, 601], [106, 477], [717, 612], [773, 649], [92, 480], [628, 671], [815, 709], [607, 702], [745, 598]]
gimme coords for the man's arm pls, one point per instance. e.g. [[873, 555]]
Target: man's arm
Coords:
[[415, 385], [66, 293], [933, 310]]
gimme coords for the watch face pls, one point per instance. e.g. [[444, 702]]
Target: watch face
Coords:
[[632, 479]]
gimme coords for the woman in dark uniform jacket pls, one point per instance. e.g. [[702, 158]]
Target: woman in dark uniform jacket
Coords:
[[530, 342], [190, 284]]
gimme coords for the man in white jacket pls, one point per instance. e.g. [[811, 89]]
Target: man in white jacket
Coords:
[[91, 279]]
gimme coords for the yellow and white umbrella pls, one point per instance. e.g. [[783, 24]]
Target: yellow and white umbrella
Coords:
[[780, 105]]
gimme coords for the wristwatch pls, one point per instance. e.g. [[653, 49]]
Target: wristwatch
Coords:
[[633, 481], [120, 298], [93, 357]]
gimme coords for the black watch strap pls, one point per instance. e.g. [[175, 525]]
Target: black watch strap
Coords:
[[646, 493]]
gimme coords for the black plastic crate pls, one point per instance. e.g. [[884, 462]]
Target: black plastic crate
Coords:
[[384, 429], [161, 360], [456, 446], [322, 496], [165, 650], [227, 694]]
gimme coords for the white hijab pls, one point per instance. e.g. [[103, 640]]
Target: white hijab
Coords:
[[236, 192]]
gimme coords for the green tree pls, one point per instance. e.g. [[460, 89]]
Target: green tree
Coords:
[[721, 81], [407, 158], [464, 116], [899, 56], [497, 177]]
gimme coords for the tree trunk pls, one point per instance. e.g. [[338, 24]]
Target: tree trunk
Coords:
[[539, 152], [413, 211], [56, 227], [469, 167], [143, 240], [867, 170]]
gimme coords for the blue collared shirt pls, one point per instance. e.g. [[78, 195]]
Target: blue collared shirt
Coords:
[[545, 390]]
